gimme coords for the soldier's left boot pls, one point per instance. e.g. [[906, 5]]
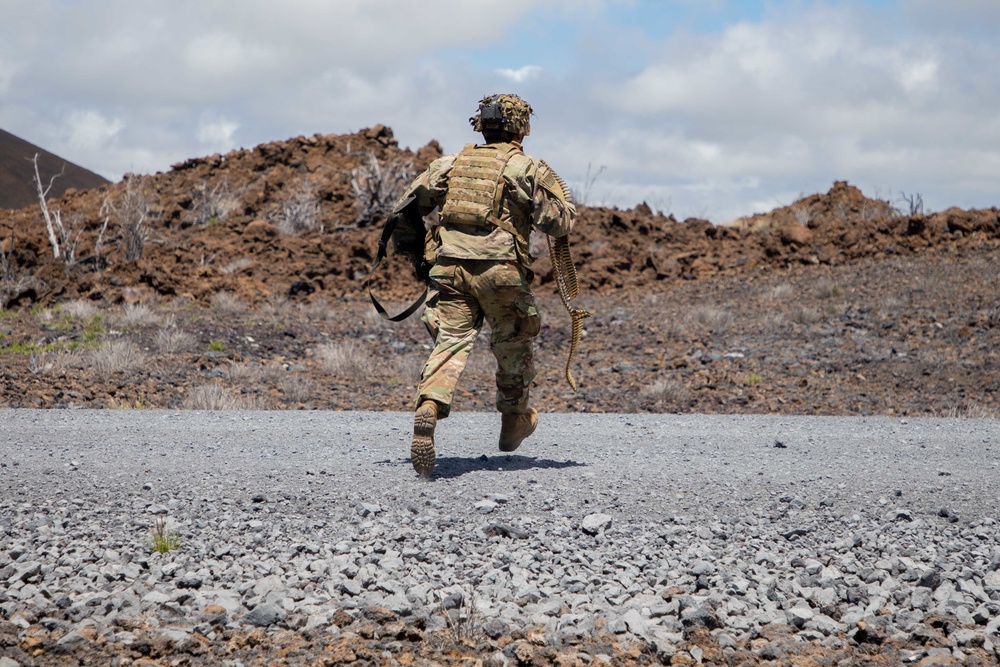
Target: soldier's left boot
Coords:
[[422, 447], [514, 428]]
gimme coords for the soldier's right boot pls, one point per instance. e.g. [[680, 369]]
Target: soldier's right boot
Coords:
[[515, 427], [422, 447]]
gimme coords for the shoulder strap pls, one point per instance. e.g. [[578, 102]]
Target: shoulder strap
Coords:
[[383, 243]]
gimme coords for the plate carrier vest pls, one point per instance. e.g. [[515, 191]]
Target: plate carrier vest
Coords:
[[476, 189]]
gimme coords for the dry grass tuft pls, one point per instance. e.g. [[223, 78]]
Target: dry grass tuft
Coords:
[[227, 303], [295, 389], [173, 341], [805, 315], [244, 373], [827, 289], [116, 357], [298, 211], [710, 317], [347, 358], [278, 310], [970, 410], [216, 397], [782, 292], [79, 309], [670, 390], [139, 315]]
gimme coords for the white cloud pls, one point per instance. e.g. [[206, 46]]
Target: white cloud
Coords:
[[217, 134], [715, 123], [89, 130], [799, 100], [520, 75]]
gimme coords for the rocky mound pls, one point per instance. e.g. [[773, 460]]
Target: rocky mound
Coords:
[[301, 217]]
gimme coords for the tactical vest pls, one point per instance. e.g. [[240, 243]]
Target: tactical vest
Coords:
[[475, 186]]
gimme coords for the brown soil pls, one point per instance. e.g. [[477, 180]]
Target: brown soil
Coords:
[[837, 304]]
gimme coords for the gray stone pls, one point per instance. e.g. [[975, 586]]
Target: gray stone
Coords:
[[772, 651], [71, 641], [799, 616], [593, 524], [264, 615], [367, 509]]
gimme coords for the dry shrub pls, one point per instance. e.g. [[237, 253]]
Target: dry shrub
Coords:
[[216, 397], [227, 303], [53, 363], [173, 341], [827, 289], [115, 357], [782, 292], [802, 215], [211, 205], [320, 309], [668, 389], [236, 265], [347, 358], [130, 207], [970, 410], [244, 373], [298, 211], [138, 315], [710, 317], [407, 367], [277, 308], [805, 315], [378, 186], [79, 309], [295, 389]]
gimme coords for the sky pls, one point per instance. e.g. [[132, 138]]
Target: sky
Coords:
[[704, 108]]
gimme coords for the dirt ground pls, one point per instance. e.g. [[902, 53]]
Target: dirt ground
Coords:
[[838, 304]]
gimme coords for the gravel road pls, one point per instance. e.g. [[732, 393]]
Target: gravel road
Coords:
[[841, 531]]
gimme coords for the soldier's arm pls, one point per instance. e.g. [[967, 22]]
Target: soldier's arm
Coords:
[[554, 212], [429, 187]]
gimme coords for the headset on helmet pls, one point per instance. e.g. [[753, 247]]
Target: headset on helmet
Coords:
[[503, 112]]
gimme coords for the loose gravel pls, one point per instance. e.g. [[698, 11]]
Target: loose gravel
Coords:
[[768, 535]]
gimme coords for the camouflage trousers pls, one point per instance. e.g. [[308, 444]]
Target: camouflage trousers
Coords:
[[467, 293]]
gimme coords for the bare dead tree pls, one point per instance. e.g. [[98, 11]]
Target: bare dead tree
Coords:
[[99, 261], [378, 186], [132, 213], [914, 202], [53, 219], [214, 204], [298, 210]]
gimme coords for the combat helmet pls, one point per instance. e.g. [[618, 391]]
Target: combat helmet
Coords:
[[505, 112]]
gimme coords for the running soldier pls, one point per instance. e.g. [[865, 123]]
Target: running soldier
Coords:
[[481, 205]]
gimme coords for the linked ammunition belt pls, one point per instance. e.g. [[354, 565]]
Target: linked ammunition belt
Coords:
[[565, 274]]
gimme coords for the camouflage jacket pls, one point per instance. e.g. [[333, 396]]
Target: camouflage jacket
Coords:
[[525, 204]]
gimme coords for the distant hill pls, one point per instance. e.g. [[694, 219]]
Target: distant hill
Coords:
[[17, 185]]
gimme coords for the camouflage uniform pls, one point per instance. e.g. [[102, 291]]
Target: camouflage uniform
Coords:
[[479, 274], [480, 269]]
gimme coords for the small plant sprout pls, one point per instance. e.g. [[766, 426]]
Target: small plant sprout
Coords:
[[163, 539], [216, 345], [752, 380]]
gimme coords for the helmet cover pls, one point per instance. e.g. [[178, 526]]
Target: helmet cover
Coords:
[[505, 112]]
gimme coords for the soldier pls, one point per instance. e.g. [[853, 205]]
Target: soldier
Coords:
[[487, 198]]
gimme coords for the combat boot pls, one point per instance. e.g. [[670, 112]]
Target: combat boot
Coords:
[[422, 447], [514, 428]]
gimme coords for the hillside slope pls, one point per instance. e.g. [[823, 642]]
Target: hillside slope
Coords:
[[17, 186]]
